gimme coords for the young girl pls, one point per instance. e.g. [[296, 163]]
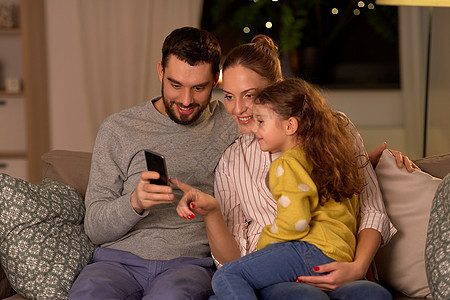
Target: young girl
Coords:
[[315, 181]]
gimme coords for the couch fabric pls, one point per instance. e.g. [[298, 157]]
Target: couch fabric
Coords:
[[436, 165], [72, 168], [5, 287], [69, 167]]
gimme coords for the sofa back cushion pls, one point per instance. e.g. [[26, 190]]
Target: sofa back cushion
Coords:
[[69, 167], [436, 165]]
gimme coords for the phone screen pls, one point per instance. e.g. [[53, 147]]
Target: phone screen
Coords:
[[156, 162]]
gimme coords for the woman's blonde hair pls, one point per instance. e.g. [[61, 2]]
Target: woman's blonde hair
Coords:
[[324, 134]]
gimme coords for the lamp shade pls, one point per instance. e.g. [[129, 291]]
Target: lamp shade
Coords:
[[428, 3]]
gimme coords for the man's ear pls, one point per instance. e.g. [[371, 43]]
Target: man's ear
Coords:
[[160, 71], [291, 126]]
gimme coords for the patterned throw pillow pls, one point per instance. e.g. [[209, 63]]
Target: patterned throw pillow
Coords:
[[437, 250], [43, 246]]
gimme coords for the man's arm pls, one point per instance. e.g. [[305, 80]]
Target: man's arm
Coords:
[[109, 214], [111, 210]]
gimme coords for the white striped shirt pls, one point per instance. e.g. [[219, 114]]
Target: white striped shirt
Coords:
[[247, 203]]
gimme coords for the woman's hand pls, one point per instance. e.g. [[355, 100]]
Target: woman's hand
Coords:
[[194, 201], [401, 160], [223, 245], [339, 273]]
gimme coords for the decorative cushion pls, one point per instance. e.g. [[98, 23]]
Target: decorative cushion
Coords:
[[407, 197], [69, 167], [43, 246], [437, 251]]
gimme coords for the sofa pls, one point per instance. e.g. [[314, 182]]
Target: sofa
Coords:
[[58, 201]]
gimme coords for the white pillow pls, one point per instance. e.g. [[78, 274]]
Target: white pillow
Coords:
[[407, 197]]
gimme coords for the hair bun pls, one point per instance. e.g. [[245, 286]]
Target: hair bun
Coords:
[[265, 42]]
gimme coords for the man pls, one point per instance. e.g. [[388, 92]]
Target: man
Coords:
[[146, 250]]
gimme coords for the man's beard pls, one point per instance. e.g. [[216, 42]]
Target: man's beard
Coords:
[[182, 119]]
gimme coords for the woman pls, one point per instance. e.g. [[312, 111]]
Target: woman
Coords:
[[246, 201]]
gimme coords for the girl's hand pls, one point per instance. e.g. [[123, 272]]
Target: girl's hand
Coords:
[[339, 273], [194, 201]]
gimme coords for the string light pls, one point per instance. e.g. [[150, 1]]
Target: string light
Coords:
[[371, 6], [361, 4], [335, 11], [246, 29], [268, 24], [356, 12]]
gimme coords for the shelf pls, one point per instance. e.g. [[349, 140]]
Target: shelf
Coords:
[[7, 31], [11, 94], [18, 154], [25, 48]]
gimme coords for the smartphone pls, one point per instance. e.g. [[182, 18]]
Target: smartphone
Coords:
[[156, 162]]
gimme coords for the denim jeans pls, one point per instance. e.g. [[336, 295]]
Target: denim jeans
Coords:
[[276, 263], [356, 290], [115, 274], [270, 273]]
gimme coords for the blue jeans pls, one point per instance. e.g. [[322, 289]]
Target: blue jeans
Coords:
[[271, 272], [356, 290], [115, 274]]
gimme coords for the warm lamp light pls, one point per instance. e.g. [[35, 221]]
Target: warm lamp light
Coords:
[[430, 4], [414, 2]]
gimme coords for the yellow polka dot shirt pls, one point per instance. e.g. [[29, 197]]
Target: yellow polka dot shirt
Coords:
[[330, 227]]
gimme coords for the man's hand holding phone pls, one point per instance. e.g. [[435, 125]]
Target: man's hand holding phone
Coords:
[[152, 188], [148, 194]]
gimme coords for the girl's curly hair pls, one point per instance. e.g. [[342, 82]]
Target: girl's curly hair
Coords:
[[324, 136]]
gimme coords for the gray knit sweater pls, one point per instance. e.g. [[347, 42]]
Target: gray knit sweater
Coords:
[[192, 152]]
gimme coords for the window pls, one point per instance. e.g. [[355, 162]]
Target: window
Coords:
[[335, 43]]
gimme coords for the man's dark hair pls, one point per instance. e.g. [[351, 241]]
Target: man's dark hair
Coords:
[[193, 46]]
